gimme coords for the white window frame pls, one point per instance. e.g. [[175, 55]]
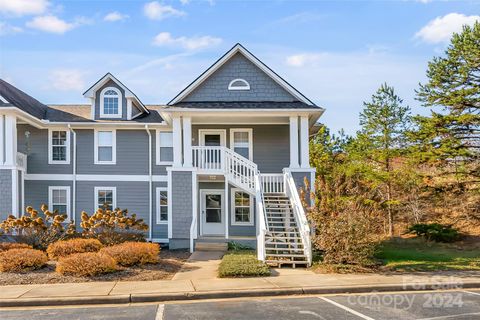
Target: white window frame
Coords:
[[234, 88], [120, 103], [158, 190], [114, 196], [249, 131], [232, 209], [50, 147], [114, 147], [157, 147], [50, 199], [221, 132]]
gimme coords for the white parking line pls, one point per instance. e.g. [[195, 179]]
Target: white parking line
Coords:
[[160, 310], [346, 308], [453, 316], [475, 293]]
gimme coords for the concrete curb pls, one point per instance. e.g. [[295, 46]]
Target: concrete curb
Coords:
[[163, 297]]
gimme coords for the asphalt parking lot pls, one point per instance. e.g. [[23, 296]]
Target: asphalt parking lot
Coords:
[[432, 305]]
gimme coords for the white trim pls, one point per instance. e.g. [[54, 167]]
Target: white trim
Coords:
[[227, 211], [232, 207], [119, 96], [244, 88], [157, 147], [177, 141], [169, 190], [50, 146], [202, 202], [250, 140], [221, 132], [293, 128], [114, 196], [114, 146], [254, 60], [304, 147], [2, 99], [159, 240], [157, 205], [129, 108], [187, 142], [50, 199], [15, 212], [91, 177]]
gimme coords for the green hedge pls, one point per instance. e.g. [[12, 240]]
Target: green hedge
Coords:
[[242, 264]]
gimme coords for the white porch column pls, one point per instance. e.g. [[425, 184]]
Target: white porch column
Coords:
[[293, 142], [187, 142], [10, 140], [177, 142], [304, 150]]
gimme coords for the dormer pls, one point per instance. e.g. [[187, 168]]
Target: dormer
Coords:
[[112, 100]]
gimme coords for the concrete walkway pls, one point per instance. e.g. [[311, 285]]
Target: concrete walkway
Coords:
[[200, 265], [283, 282]]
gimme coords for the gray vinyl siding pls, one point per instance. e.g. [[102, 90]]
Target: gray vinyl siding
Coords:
[[5, 193], [135, 109], [262, 87], [181, 205], [36, 149], [36, 193], [271, 144], [110, 83]]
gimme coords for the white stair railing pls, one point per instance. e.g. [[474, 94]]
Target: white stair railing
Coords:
[[262, 226], [272, 182], [300, 216]]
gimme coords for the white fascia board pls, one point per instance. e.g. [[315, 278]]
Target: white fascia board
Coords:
[[236, 49]]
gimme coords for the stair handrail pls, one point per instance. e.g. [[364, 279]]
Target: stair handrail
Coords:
[[299, 214], [261, 219], [193, 232]]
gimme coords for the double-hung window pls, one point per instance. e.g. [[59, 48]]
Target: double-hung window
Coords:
[[59, 200], [105, 198], [164, 147], [105, 147], [242, 208], [111, 103], [58, 147], [241, 142], [162, 205]]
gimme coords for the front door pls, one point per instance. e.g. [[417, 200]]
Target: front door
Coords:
[[212, 212]]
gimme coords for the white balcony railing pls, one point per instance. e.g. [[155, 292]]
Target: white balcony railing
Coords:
[[273, 182], [21, 161]]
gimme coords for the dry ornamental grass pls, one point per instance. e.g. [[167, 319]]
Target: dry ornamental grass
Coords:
[[5, 246], [133, 253], [17, 260], [86, 264], [65, 248]]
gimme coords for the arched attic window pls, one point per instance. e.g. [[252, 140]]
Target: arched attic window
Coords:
[[238, 84], [111, 103]]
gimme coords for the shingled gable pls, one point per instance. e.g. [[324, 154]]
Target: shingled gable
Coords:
[[265, 85], [17, 98], [90, 92]]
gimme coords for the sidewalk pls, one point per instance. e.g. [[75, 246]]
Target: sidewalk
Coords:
[[283, 282]]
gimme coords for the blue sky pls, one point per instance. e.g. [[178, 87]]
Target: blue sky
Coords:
[[335, 52]]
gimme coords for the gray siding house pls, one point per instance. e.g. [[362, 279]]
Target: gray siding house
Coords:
[[222, 161]]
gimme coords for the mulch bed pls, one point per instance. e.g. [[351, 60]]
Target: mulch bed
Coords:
[[170, 263]]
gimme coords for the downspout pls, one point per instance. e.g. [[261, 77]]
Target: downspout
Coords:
[[150, 220], [74, 172]]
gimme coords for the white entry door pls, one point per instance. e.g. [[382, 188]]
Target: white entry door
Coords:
[[212, 212]]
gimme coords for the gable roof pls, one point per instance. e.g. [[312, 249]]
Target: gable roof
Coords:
[[90, 92], [238, 48], [21, 100]]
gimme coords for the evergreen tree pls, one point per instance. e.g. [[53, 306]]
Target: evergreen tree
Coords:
[[452, 131]]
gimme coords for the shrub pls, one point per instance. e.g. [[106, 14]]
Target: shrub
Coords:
[[242, 264], [24, 259], [65, 248], [5, 246], [38, 231], [86, 264], [133, 253], [113, 226], [435, 232]]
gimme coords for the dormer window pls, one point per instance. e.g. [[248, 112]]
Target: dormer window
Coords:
[[111, 103], [238, 84]]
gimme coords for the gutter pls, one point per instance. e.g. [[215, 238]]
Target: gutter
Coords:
[[150, 219], [74, 172]]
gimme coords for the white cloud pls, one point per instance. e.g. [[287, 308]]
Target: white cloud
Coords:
[[441, 28], [184, 2], [192, 43], [6, 29], [115, 16], [304, 59], [67, 79], [156, 11], [54, 24], [23, 7]]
